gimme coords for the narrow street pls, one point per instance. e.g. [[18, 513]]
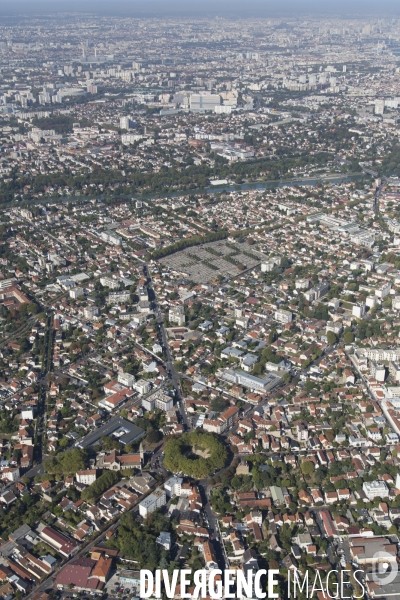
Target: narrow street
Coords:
[[213, 524]]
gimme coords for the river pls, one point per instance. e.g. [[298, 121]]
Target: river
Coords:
[[257, 185], [236, 187]]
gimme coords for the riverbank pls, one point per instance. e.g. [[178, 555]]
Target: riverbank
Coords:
[[258, 185], [212, 190]]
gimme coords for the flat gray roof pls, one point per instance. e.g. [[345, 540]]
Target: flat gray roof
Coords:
[[133, 432]]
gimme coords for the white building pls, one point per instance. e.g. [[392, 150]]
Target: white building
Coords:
[[242, 322], [378, 371], [177, 315], [156, 500], [334, 303], [111, 283], [375, 489], [383, 291], [111, 238], [126, 379], [371, 301], [316, 292], [142, 386], [334, 326], [283, 316], [126, 123], [255, 516], [379, 107], [222, 109], [6, 283], [11, 473], [28, 412], [76, 292], [173, 486], [270, 264], [377, 354], [204, 101], [213, 425], [131, 138], [143, 293], [86, 477], [118, 297], [394, 370], [302, 284], [359, 310], [90, 312], [158, 400]]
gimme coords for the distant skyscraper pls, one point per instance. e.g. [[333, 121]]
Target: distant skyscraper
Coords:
[[379, 107]]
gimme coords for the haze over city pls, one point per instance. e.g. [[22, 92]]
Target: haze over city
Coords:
[[156, 8]]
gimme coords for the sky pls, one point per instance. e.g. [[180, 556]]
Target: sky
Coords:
[[228, 8]]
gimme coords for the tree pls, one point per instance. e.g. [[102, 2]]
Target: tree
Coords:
[[67, 463], [331, 337], [195, 454], [154, 436], [348, 337], [307, 467], [218, 404], [330, 436], [98, 487], [108, 443]]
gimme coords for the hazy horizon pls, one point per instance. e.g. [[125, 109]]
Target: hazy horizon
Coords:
[[283, 8]]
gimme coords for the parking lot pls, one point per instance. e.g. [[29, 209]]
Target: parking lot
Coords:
[[123, 591]]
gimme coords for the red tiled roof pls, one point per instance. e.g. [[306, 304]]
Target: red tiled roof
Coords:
[[77, 573]]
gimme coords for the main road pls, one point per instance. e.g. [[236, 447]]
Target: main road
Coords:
[[169, 362]]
